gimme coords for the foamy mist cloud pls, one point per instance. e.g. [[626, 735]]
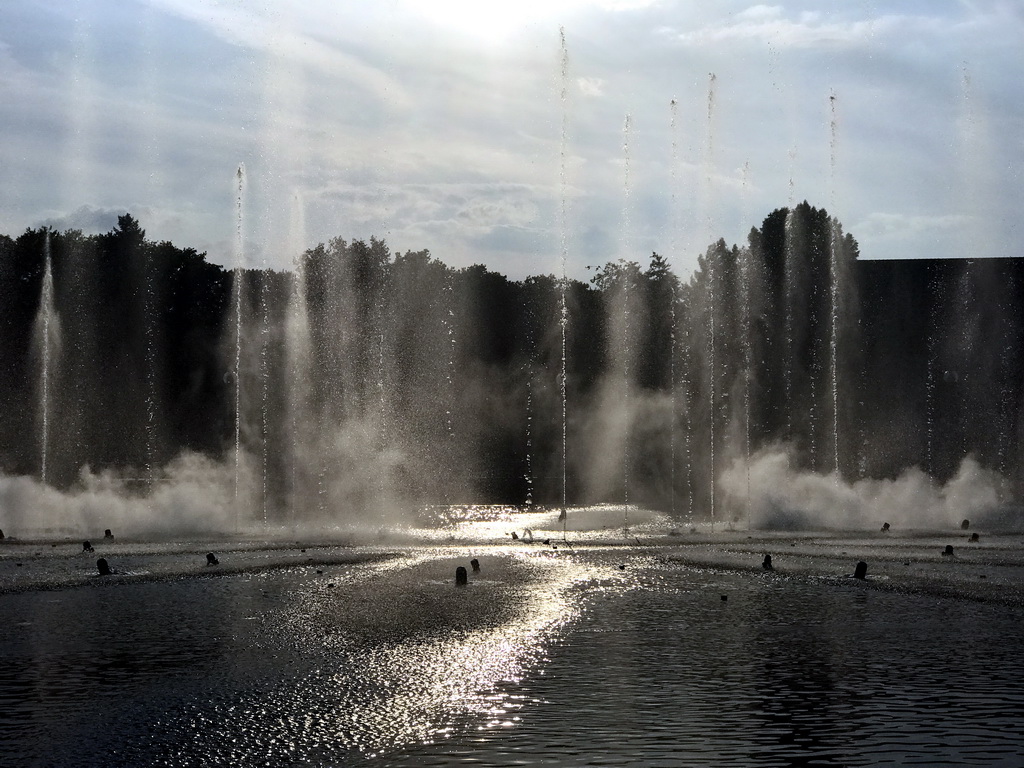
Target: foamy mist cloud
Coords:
[[194, 494], [784, 496], [622, 443]]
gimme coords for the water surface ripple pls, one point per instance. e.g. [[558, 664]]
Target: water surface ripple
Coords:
[[596, 656]]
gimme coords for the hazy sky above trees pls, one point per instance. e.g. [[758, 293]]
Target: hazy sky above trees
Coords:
[[439, 124]]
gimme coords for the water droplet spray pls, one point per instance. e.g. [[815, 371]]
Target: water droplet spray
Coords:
[[626, 319], [238, 280], [563, 223], [712, 276], [834, 246], [48, 334]]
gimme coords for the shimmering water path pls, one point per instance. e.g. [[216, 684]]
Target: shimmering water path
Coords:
[[786, 672], [547, 658]]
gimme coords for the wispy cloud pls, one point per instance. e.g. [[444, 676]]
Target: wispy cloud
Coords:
[[243, 26], [808, 29], [87, 218], [895, 235], [591, 86], [878, 223]]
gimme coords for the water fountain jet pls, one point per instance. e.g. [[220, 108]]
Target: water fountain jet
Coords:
[[47, 339]]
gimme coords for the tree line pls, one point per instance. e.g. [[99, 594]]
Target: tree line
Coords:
[[365, 374]]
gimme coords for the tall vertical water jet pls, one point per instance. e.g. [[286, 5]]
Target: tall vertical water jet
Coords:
[[709, 166], [47, 340], [834, 246], [563, 226], [626, 350], [746, 266], [961, 374], [381, 325], [673, 319], [298, 346], [528, 500], [150, 319], [237, 290], [976, 157], [382, 401], [931, 375], [450, 341], [790, 256], [684, 368], [792, 178], [529, 371], [976, 203], [265, 388], [448, 324], [1009, 342]]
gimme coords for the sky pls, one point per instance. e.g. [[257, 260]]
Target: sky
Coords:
[[533, 137]]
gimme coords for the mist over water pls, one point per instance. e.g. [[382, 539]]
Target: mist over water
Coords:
[[784, 497], [191, 495]]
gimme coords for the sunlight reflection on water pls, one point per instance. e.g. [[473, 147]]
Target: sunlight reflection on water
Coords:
[[411, 666], [584, 655], [484, 523], [786, 671]]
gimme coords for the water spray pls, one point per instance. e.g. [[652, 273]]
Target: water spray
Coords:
[[564, 255]]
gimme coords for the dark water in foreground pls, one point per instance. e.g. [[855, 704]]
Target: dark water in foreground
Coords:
[[785, 673], [556, 659]]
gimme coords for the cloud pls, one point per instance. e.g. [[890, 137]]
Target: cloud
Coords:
[[885, 224], [591, 86], [760, 13], [506, 211], [461, 222], [762, 23], [620, 6], [243, 26], [89, 219]]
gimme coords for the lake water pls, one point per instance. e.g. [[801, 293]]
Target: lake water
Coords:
[[666, 653]]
